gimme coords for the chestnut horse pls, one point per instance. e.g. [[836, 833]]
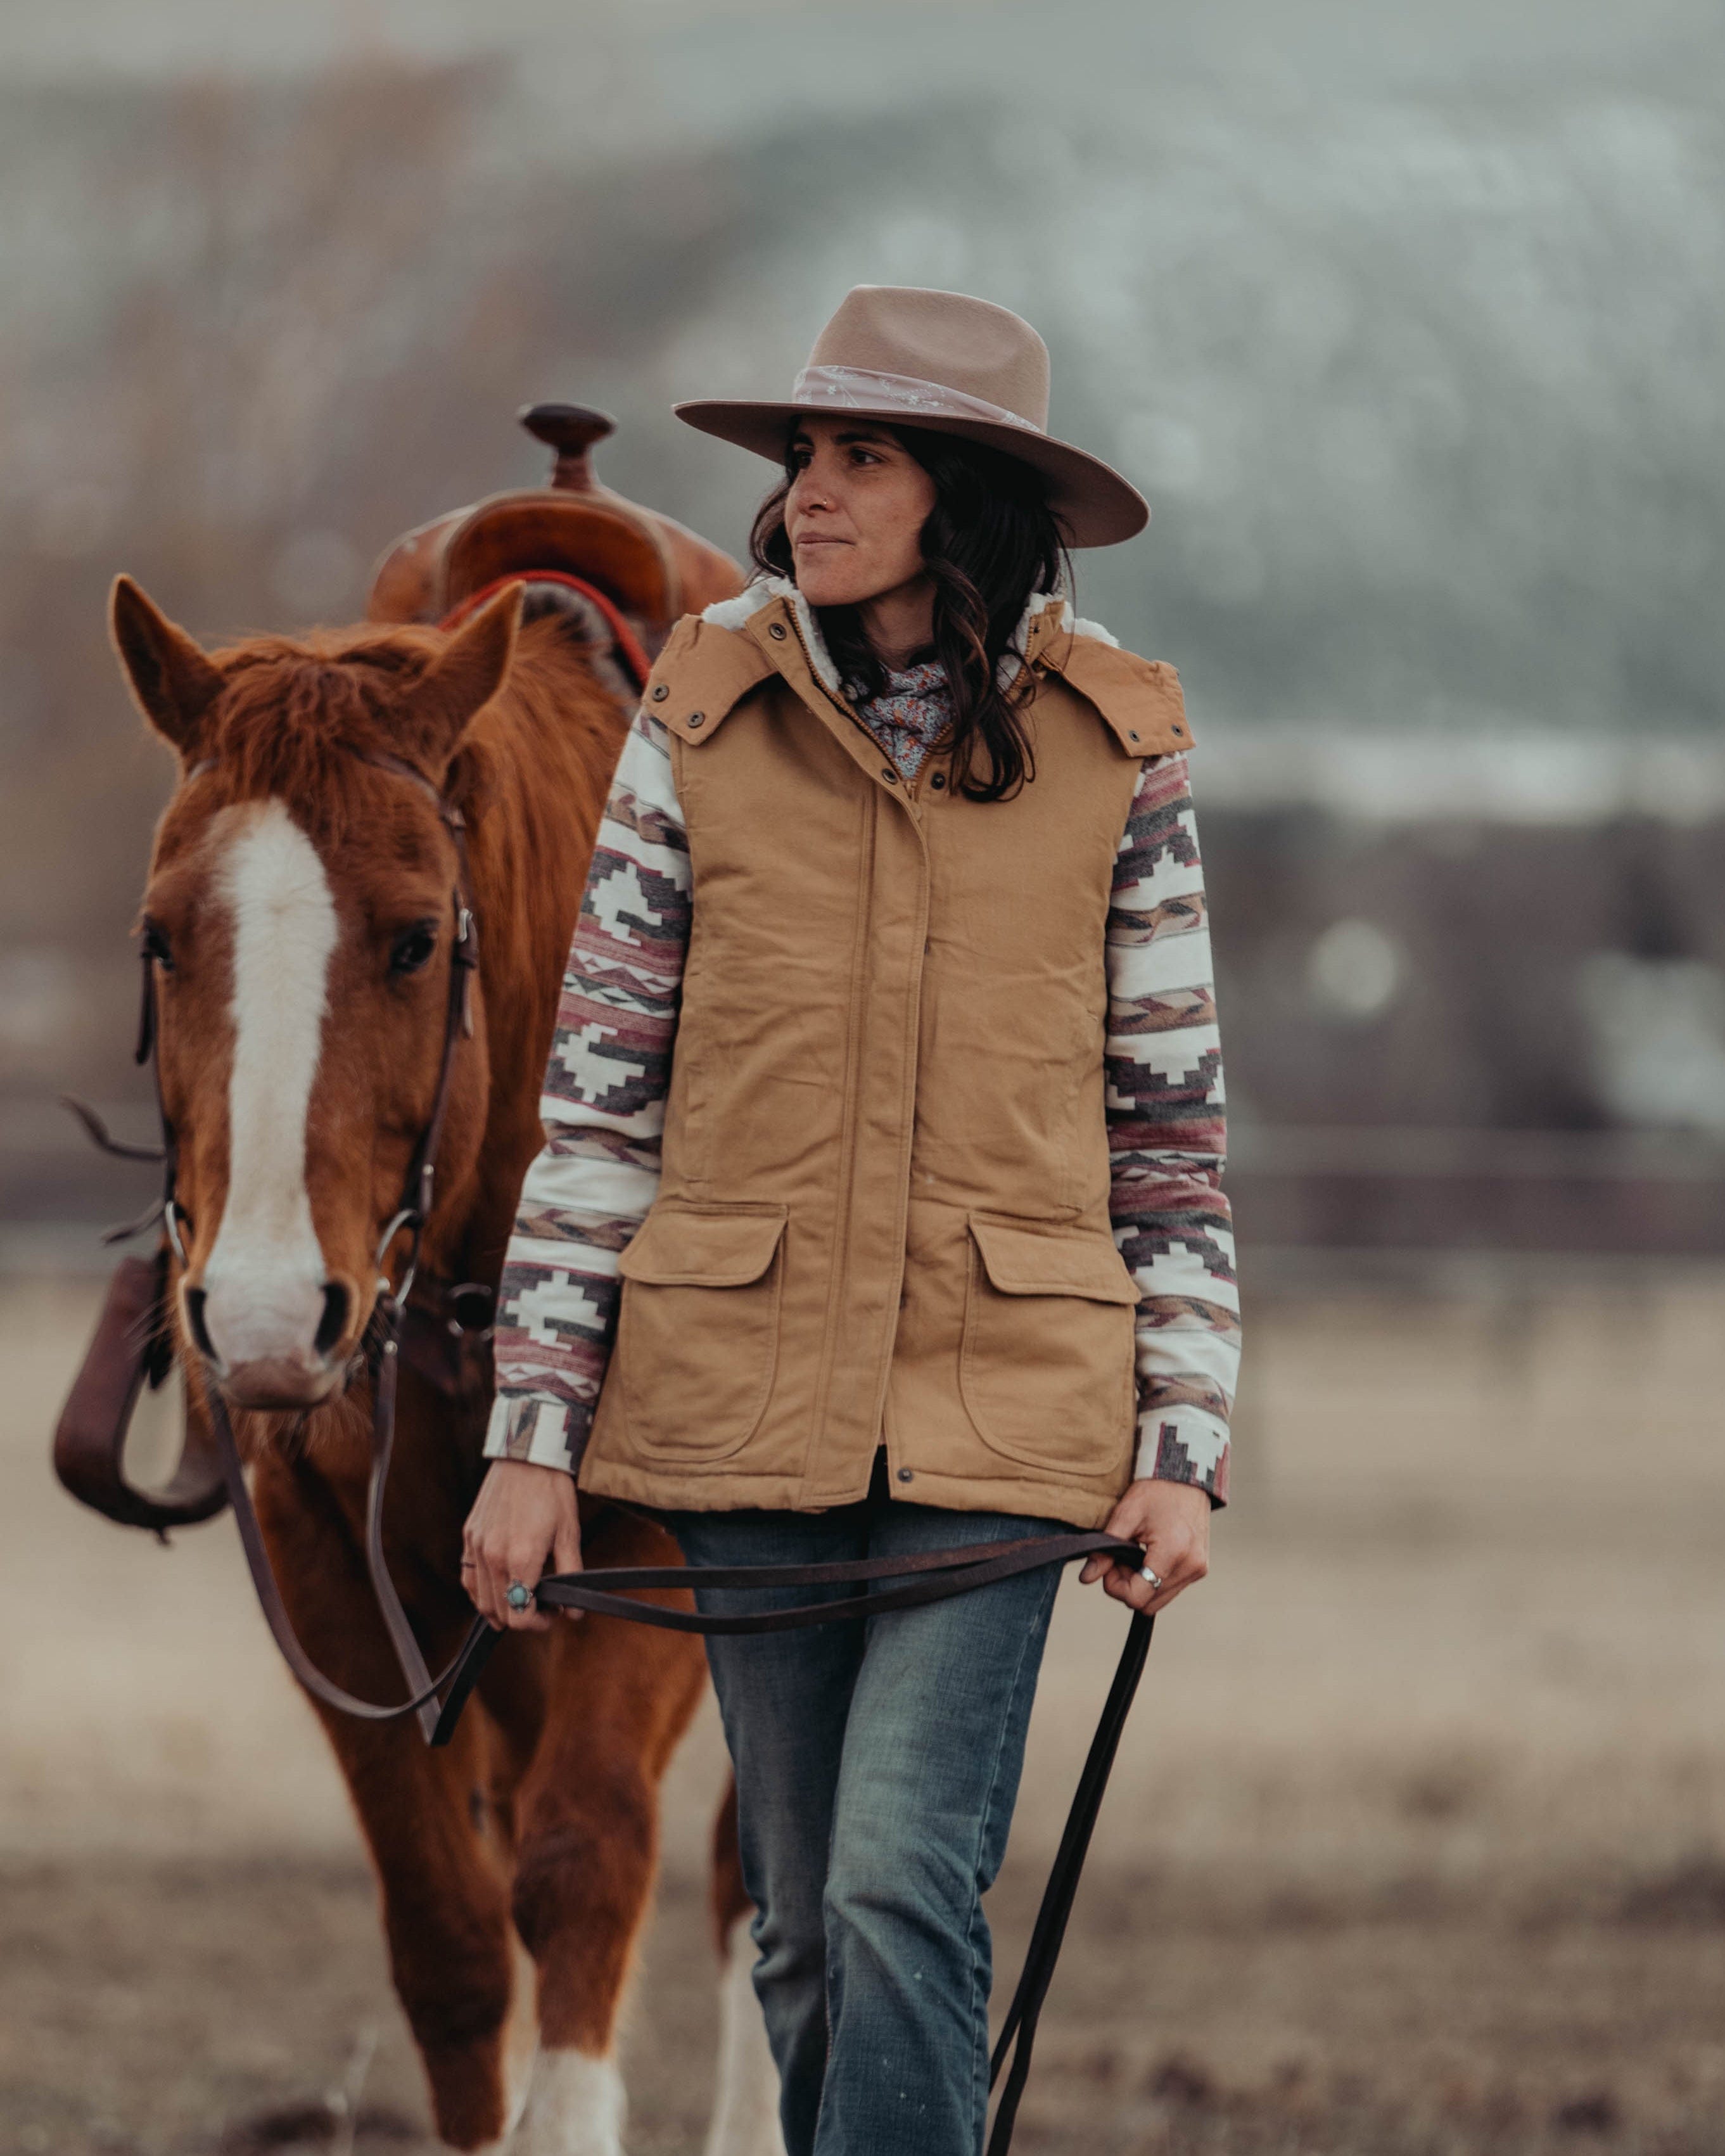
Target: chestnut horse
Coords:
[[300, 919]]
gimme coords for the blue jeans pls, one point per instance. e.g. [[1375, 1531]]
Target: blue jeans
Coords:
[[877, 1765]]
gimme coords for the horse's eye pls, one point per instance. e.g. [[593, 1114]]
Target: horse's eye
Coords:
[[412, 948], [155, 946]]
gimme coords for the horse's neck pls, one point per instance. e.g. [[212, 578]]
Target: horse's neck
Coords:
[[547, 749]]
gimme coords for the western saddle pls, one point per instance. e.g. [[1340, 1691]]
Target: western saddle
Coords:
[[629, 573]]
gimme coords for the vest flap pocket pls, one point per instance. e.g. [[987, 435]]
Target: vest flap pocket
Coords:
[[676, 1247], [1025, 1261], [697, 1333]]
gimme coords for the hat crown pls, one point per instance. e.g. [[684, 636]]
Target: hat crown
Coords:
[[968, 345]]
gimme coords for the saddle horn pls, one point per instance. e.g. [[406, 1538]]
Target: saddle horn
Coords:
[[572, 430]]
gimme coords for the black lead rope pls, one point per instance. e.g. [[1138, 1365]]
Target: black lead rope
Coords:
[[1017, 2032], [934, 1576], [943, 1573]]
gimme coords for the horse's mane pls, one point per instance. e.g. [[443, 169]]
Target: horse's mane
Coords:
[[292, 710]]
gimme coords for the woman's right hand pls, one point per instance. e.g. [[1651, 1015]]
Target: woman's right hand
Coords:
[[524, 1515]]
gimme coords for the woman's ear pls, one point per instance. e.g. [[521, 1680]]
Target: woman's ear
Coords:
[[466, 675], [172, 681]]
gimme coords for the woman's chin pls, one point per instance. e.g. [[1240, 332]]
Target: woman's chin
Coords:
[[824, 583]]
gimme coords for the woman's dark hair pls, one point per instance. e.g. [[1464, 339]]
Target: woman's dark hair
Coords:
[[990, 540]]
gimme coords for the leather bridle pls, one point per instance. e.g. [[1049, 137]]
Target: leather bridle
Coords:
[[381, 1344]]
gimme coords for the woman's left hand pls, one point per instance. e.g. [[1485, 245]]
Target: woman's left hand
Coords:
[[1172, 1521]]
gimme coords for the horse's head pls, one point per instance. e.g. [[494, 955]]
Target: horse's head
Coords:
[[300, 920]]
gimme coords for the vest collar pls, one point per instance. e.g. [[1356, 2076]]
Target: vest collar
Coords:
[[714, 659], [769, 599], [1138, 699]]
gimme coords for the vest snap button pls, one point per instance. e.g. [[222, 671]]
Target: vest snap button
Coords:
[[661, 692], [776, 631], [1130, 735], [904, 1474], [938, 781], [889, 776], [697, 719]]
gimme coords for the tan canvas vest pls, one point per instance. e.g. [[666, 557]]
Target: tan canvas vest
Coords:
[[885, 1206]]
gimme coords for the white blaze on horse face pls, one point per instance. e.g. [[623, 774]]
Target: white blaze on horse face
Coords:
[[575, 2108], [264, 1279]]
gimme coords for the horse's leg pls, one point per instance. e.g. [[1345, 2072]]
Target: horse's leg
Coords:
[[744, 2120], [424, 1815], [586, 1834]]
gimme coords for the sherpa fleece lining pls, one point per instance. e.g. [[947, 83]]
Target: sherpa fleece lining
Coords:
[[736, 613]]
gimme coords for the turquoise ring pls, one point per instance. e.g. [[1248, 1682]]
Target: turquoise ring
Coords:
[[519, 1597]]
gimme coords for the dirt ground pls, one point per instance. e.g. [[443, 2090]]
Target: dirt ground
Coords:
[[1416, 1845]]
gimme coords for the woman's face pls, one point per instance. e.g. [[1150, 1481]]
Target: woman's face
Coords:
[[855, 510]]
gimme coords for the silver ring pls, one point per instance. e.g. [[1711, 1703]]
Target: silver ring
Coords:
[[519, 1597], [1154, 1578]]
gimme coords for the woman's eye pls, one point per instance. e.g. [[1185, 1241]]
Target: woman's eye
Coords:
[[412, 949], [155, 946]]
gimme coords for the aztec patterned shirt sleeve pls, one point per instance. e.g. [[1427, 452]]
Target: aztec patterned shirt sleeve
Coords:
[[589, 1189], [1166, 1136]]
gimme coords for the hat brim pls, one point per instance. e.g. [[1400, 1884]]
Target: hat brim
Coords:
[[1098, 507]]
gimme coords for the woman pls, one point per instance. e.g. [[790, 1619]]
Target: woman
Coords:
[[886, 1082]]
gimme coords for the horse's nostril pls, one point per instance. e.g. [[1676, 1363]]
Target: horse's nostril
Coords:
[[334, 1322], [195, 1324]]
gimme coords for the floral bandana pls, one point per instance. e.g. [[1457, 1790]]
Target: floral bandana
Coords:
[[910, 713]]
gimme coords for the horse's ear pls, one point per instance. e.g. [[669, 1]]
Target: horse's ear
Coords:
[[172, 680], [469, 672]]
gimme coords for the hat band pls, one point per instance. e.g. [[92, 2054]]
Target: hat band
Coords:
[[861, 388]]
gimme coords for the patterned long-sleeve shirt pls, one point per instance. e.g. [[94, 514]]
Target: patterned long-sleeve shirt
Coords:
[[604, 1110]]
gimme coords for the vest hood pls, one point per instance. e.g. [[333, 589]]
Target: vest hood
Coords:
[[713, 660]]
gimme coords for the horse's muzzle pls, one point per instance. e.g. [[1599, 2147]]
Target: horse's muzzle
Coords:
[[283, 1384]]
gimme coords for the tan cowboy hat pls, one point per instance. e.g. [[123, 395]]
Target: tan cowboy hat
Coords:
[[957, 365]]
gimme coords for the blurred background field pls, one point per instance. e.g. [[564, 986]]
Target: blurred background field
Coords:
[[1407, 321]]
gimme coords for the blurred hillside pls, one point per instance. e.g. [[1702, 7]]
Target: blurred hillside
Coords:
[[1407, 321]]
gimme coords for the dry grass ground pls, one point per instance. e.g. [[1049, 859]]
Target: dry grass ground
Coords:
[[1417, 1844]]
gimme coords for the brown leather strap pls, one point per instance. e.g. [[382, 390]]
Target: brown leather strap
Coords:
[[418, 1187], [90, 1439], [424, 1688], [604, 1591], [933, 1577]]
